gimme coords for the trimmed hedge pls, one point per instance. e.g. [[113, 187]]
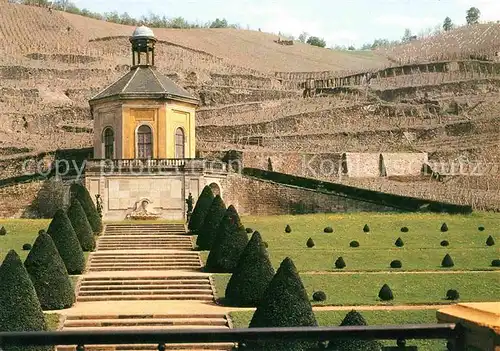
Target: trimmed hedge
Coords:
[[81, 193], [354, 318], [200, 209], [252, 275], [399, 242], [339, 263], [447, 261], [481, 228], [444, 228], [3, 231], [68, 246], [405, 230], [20, 309], [206, 235], [490, 241], [396, 264], [230, 242], [444, 243], [81, 225], [354, 244], [452, 294], [495, 263], [285, 304], [27, 247], [288, 229], [49, 275], [366, 228], [319, 296], [395, 201], [249, 230], [310, 243], [328, 230], [385, 293]]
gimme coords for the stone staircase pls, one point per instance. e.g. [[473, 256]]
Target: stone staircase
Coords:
[[146, 277]]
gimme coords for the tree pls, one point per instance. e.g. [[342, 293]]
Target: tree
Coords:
[[49, 275], [230, 242], [407, 36], [284, 304], [20, 309], [66, 241], [447, 24], [252, 275], [81, 225], [303, 37], [354, 318], [219, 23], [200, 209], [316, 41], [473, 15], [212, 221], [81, 193]]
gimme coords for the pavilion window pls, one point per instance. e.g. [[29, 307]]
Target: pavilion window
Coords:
[[179, 143], [109, 143], [144, 142]]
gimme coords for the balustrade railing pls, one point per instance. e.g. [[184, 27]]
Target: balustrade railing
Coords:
[[134, 165]]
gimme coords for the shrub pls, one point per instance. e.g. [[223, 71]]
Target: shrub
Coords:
[[354, 244], [490, 241], [399, 242], [284, 304], [319, 296], [452, 294], [64, 236], [288, 229], [49, 275], [396, 264], [339, 263], [41, 231], [445, 243], [495, 263], [27, 247], [481, 228], [354, 318], [405, 230], [201, 209], [206, 235], [444, 227], [3, 231], [266, 245], [328, 230], [252, 275], [81, 225], [249, 230], [366, 228], [80, 192], [385, 293], [21, 310], [310, 243], [447, 261], [230, 241]]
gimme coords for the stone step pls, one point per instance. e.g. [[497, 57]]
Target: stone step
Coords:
[[153, 347], [146, 322], [143, 247], [146, 261], [140, 316], [85, 282], [147, 236], [153, 277], [145, 254], [160, 327], [145, 297], [161, 268], [147, 291], [150, 286]]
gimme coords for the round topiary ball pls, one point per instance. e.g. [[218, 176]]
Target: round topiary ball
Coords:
[[366, 228], [490, 241], [310, 243], [266, 245], [495, 263], [405, 230], [444, 243], [41, 231], [396, 264], [339, 263], [328, 230], [354, 244], [249, 230], [481, 228], [444, 228], [385, 293], [27, 247], [399, 242], [288, 229], [3, 231], [452, 294], [447, 261], [319, 296]]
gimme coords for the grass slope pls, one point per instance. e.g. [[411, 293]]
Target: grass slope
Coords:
[[20, 231]]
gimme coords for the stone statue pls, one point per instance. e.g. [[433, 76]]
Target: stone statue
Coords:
[[189, 202], [98, 202], [140, 211]]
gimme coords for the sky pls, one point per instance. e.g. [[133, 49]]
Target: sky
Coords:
[[339, 22]]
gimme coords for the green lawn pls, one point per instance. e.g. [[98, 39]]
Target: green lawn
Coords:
[[52, 320], [425, 288], [422, 250], [20, 232], [241, 319]]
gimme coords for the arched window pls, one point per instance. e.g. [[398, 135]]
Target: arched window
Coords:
[[144, 142], [109, 143], [179, 143]]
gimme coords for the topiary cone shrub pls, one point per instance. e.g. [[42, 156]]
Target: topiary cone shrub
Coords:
[[68, 246], [399, 242], [230, 241], [495, 263], [445, 243], [252, 275], [452, 294], [481, 228], [3, 231], [20, 309], [206, 235], [385, 293], [27, 247], [284, 304], [249, 230], [81, 225], [447, 261], [80, 192], [444, 227], [366, 228], [405, 230], [49, 275], [354, 244], [266, 245], [288, 229], [201, 209], [490, 241], [319, 296], [354, 318], [310, 243], [339, 263], [396, 264], [328, 230], [41, 231]]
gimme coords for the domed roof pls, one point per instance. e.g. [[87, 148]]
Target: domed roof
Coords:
[[143, 32]]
